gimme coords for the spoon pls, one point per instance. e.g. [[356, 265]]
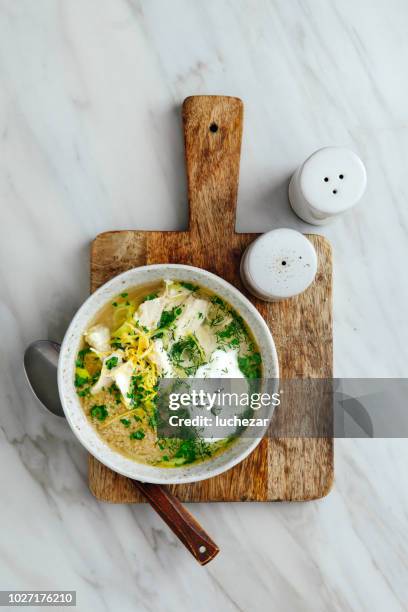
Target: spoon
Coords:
[[40, 366]]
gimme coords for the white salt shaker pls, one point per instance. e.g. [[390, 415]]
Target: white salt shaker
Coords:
[[278, 265], [327, 184]]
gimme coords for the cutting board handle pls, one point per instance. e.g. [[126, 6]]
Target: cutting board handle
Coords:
[[212, 138]]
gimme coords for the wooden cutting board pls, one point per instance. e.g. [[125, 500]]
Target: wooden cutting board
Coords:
[[284, 469]]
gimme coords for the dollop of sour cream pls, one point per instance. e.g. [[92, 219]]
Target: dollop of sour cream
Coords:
[[223, 364]]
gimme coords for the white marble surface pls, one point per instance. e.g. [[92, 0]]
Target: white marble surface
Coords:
[[90, 92]]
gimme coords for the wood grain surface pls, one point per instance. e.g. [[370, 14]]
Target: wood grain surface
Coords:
[[285, 469]]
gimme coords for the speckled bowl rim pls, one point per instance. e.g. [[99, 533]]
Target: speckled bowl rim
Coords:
[[73, 410]]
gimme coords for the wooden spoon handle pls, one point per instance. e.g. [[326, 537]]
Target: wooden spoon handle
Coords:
[[180, 521]]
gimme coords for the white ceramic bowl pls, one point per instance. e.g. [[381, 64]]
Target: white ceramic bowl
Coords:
[[81, 427]]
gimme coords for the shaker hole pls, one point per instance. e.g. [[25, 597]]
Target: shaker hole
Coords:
[[283, 263], [334, 191], [341, 176], [213, 128], [326, 179]]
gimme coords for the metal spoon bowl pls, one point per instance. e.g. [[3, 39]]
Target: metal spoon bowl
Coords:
[[40, 366]]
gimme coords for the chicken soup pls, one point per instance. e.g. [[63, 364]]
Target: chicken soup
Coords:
[[172, 329]]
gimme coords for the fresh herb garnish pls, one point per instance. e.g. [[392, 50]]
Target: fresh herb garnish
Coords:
[[235, 328], [189, 286], [99, 412], [115, 391], [232, 334], [217, 320], [216, 300], [125, 422], [250, 365], [112, 362], [151, 296], [80, 380], [187, 354], [227, 332], [137, 435], [80, 362], [191, 450], [152, 421], [116, 344], [168, 316]]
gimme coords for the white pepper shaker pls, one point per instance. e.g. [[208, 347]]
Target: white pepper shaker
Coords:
[[278, 265], [327, 184]]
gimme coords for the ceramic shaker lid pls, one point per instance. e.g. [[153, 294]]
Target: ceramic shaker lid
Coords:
[[328, 183], [278, 265]]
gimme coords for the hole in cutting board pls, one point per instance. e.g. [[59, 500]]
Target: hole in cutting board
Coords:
[[213, 128]]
